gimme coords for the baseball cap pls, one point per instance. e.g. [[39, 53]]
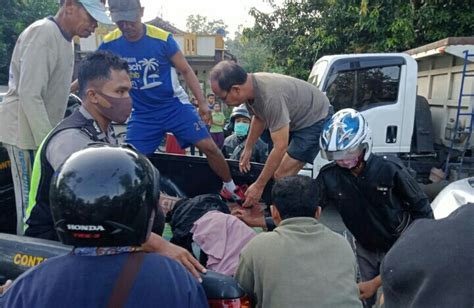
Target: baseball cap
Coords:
[[125, 10], [97, 10]]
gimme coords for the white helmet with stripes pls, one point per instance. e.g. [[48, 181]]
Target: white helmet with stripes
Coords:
[[345, 134]]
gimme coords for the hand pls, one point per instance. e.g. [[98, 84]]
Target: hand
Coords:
[[244, 161], [156, 243], [205, 113], [3, 288], [167, 203], [253, 195], [250, 217], [368, 288]]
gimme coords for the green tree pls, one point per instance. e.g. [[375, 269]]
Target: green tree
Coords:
[[253, 55], [301, 31], [15, 16], [199, 24]]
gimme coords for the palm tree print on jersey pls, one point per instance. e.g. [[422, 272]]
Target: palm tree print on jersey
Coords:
[[150, 65]]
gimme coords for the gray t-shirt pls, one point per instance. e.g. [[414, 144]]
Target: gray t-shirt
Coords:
[[280, 100]]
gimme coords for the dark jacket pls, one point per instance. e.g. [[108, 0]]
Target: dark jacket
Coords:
[[234, 145], [187, 211], [377, 205], [432, 263]]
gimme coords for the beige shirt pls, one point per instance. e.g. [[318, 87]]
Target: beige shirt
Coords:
[[40, 76], [280, 100]]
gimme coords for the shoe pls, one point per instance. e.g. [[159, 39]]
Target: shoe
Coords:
[[238, 195]]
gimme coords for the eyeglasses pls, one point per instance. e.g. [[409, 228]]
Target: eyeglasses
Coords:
[[226, 94], [225, 97]]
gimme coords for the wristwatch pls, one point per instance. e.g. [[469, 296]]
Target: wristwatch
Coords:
[[269, 223]]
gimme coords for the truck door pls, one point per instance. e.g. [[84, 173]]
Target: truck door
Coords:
[[376, 86]]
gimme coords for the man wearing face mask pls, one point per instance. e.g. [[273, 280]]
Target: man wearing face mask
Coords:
[[375, 195], [104, 85], [235, 143]]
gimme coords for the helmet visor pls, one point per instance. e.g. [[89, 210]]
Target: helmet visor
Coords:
[[343, 155]]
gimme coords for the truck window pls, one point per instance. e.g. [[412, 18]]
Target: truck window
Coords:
[[317, 72], [363, 88]]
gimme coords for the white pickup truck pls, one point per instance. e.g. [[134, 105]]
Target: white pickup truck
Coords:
[[409, 99]]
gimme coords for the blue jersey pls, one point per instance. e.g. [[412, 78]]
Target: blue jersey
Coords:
[[154, 78], [88, 281]]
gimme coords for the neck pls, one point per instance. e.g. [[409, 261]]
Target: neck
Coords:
[[61, 21], [248, 85], [138, 36], [99, 118], [357, 170]]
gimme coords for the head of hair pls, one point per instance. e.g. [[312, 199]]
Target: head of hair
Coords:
[[295, 196], [97, 67], [210, 94], [228, 74]]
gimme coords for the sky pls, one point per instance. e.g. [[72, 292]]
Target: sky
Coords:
[[232, 12]]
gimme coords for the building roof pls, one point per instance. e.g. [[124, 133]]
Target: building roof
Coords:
[[163, 24]]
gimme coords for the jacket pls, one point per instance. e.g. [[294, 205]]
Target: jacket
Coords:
[[234, 145], [378, 204]]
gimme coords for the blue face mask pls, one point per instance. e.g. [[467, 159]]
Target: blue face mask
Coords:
[[241, 128]]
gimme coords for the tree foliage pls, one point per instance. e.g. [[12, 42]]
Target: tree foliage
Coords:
[[301, 31], [15, 16], [200, 25], [254, 56]]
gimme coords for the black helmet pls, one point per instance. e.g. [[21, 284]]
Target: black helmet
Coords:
[[103, 196]]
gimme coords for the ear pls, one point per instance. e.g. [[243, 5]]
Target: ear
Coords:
[[91, 96], [69, 7], [317, 214], [142, 10], [275, 214], [237, 88], [71, 4]]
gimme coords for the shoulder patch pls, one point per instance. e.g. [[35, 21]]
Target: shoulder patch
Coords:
[[112, 36], [157, 33]]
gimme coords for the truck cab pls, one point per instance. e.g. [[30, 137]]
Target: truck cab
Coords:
[[386, 88], [381, 86]]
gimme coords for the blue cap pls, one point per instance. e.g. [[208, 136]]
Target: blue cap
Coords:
[[97, 10]]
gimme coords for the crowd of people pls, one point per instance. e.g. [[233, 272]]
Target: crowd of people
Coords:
[[74, 183]]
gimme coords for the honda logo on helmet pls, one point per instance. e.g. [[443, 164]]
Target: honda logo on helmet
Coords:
[[85, 227]]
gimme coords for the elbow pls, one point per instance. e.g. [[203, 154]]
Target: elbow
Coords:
[[280, 148]]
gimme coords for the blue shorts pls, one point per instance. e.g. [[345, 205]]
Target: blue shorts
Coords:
[[145, 130], [304, 143]]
